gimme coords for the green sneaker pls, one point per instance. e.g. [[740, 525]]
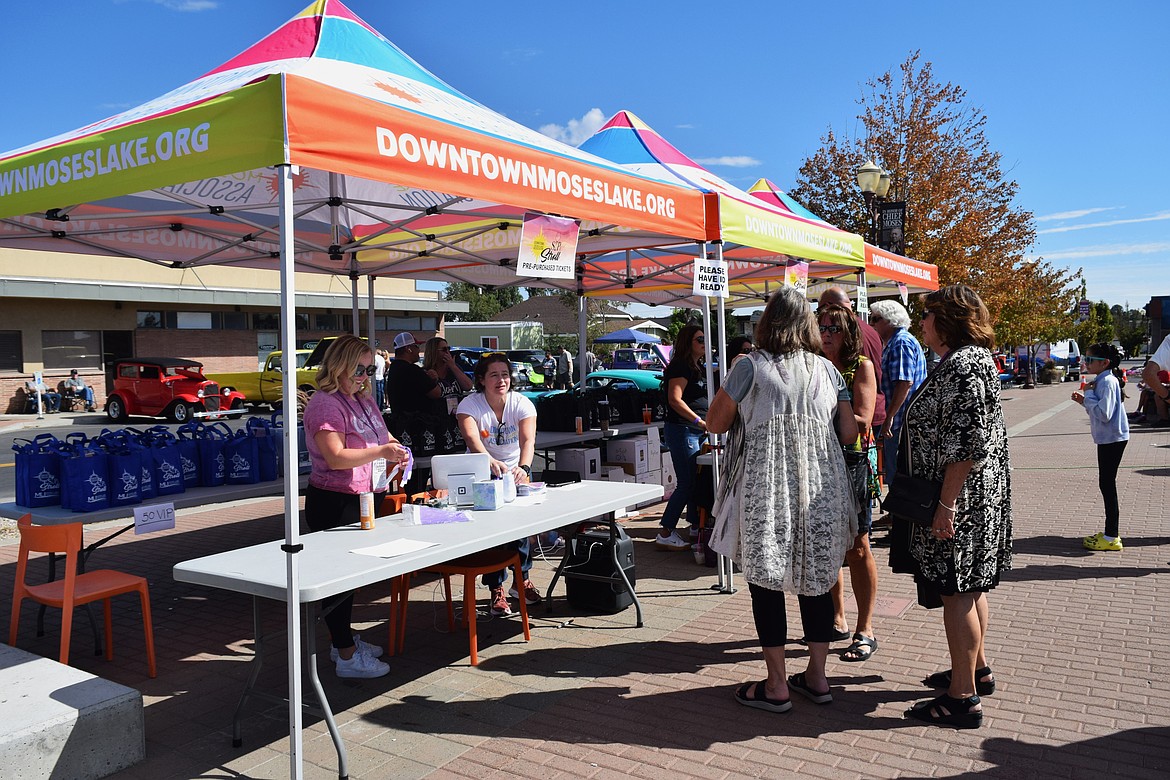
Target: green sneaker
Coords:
[[1099, 543]]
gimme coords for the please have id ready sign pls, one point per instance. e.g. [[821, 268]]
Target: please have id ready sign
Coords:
[[710, 278]]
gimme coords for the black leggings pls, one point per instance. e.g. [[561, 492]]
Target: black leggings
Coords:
[[1108, 461], [326, 509], [816, 616]]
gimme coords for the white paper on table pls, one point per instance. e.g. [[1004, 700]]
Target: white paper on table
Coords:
[[395, 548]]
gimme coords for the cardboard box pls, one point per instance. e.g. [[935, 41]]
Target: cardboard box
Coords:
[[669, 478], [585, 461], [654, 454], [613, 473], [631, 452], [650, 478]]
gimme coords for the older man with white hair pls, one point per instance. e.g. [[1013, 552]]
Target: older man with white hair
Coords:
[[903, 370]]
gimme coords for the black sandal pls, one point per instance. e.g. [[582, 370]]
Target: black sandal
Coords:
[[945, 711], [982, 687]]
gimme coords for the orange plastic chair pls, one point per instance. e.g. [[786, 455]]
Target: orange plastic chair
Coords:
[[469, 567], [75, 589]]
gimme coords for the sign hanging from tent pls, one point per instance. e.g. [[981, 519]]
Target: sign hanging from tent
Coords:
[[710, 279], [548, 246], [796, 275]]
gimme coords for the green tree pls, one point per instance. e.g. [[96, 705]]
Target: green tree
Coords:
[[1041, 310], [959, 204], [483, 303], [1097, 327], [1129, 328]]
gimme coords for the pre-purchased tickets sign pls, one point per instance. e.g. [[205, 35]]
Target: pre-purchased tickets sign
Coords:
[[548, 246], [710, 278]]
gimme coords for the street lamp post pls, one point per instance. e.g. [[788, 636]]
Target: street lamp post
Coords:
[[875, 185]]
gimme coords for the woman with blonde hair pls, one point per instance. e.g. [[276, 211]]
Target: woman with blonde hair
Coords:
[[785, 510], [349, 449]]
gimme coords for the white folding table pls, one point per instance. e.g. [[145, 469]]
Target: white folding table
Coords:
[[329, 568]]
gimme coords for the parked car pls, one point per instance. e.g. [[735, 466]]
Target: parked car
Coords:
[[534, 358], [167, 387], [267, 385], [636, 359]]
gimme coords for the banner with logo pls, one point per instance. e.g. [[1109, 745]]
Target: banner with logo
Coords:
[[891, 226], [548, 246], [710, 278]]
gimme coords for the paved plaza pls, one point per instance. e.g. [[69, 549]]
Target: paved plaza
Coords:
[[1078, 641]]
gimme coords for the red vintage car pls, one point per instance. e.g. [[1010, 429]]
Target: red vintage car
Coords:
[[167, 387]]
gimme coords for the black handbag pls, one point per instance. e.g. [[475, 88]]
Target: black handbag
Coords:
[[857, 464], [913, 498]]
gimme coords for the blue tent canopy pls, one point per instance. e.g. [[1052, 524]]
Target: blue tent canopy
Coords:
[[627, 336]]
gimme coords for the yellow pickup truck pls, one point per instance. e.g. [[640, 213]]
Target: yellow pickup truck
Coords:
[[266, 386]]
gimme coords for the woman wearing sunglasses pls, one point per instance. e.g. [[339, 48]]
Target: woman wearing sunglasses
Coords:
[[841, 344], [496, 421], [685, 382], [349, 449]]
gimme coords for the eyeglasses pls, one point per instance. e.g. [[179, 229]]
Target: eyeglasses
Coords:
[[1091, 358], [829, 328], [700, 339], [501, 429], [362, 371]]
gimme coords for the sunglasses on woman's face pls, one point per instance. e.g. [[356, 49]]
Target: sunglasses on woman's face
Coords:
[[362, 371], [1091, 358], [829, 328]]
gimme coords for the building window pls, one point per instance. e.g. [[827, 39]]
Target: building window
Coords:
[[193, 320], [265, 321], [11, 352], [327, 322], [150, 319], [234, 320], [71, 348]]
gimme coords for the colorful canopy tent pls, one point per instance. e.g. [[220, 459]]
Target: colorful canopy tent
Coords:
[[882, 269], [320, 137]]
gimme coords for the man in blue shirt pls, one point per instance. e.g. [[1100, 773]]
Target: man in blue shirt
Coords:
[[903, 370]]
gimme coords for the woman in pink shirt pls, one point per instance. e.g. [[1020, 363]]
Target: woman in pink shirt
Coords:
[[350, 449]]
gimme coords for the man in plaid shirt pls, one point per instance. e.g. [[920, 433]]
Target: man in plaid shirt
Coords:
[[903, 370]]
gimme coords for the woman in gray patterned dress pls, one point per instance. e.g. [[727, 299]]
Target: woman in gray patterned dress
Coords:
[[785, 511], [954, 433]]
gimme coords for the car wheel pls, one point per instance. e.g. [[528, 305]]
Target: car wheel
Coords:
[[182, 412], [116, 409], [238, 404]]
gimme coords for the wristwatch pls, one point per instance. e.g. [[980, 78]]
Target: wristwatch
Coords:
[[527, 469]]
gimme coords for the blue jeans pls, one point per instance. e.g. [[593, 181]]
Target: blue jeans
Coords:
[[890, 455], [496, 578], [683, 443], [380, 393]]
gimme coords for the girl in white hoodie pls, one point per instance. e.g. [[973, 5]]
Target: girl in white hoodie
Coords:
[[1102, 399]]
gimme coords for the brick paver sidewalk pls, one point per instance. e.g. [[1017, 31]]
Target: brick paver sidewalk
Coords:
[[1077, 641]]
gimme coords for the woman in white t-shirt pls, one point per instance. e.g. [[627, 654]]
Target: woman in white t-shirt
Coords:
[[501, 423]]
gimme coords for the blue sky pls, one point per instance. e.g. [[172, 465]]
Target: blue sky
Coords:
[[1076, 99]]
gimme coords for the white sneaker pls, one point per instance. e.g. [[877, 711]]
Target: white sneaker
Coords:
[[365, 648], [672, 542], [362, 666]]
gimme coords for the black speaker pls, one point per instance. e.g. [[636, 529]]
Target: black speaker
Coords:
[[591, 581]]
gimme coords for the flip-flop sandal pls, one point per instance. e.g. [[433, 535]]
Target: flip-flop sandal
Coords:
[[797, 683], [945, 711], [839, 635], [862, 649], [760, 700], [982, 687]]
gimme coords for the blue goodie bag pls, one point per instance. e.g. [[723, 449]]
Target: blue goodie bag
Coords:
[[124, 468], [242, 459], [38, 471], [84, 476], [269, 442], [188, 445], [168, 461]]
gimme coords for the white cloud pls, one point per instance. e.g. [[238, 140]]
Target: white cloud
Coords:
[[1107, 250], [1077, 214], [731, 161], [1156, 218], [575, 131]]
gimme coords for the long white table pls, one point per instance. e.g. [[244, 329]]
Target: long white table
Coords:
[[329, 567]]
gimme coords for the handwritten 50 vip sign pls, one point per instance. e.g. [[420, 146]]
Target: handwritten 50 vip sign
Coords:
[[548, 246], [710, 278]]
